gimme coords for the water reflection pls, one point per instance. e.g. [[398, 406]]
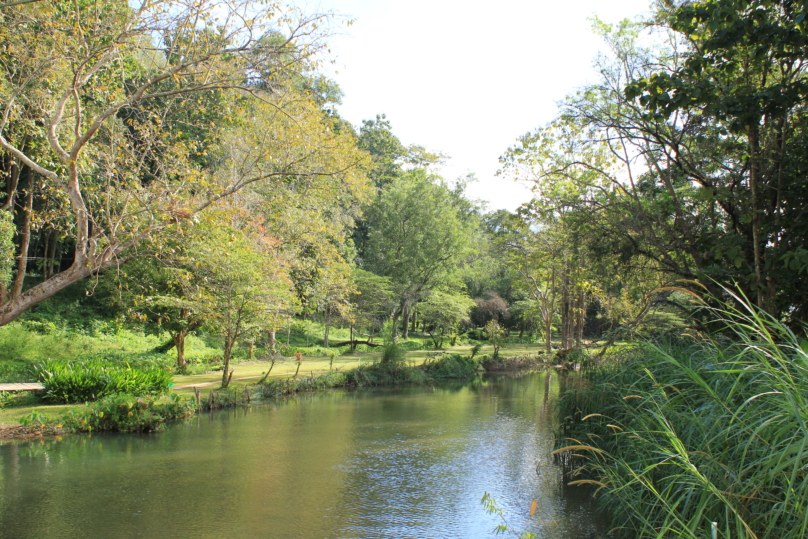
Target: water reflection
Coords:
[[371, 464]]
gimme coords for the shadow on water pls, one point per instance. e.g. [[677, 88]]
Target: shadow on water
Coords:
[[405, 462]]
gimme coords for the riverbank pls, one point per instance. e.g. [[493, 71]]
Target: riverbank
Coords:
[[680, 434], [314, 373]]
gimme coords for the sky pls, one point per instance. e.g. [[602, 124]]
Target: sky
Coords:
[[466, 79]]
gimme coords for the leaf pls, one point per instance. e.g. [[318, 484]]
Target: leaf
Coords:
[[533, 507]]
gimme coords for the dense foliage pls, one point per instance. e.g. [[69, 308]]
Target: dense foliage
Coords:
[[91, 380], [683, 433]]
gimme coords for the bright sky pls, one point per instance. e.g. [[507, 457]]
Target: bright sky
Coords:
[[466, 80]]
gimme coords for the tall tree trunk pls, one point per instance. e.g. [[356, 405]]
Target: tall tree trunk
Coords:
[[353, 343], [549, 311], [25, 236], [228, 349], [271, 341], [327, 327], [179, 343], [565, 307], [395, 325], [754, 178], [405, 322]]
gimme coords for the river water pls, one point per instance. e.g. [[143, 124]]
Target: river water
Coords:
[[401, 463]]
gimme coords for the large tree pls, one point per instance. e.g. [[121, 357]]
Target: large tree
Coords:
[[418, 237], [89, 93], [691, 153]]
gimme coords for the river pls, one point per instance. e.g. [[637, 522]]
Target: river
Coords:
[[392, 463]]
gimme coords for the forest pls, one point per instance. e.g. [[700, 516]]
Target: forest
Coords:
[[180, 194]]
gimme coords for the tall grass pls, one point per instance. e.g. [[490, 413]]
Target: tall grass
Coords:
[[712, 429]]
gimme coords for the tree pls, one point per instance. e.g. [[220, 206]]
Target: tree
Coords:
[[242, 285], [372, 302], [418, 237], [690, 154], [443, 312], [160, 291], [74, 74]]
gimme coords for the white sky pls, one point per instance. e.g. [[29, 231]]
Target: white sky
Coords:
[[467, 78]]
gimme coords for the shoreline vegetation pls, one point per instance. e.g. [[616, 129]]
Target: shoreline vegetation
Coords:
[[680, 433], [123, 398]]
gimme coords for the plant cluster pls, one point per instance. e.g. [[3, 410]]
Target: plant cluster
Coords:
[[124, 413], [91, 380], [684, 433]]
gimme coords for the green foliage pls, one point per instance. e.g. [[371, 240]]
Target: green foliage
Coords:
[[443, 312], [679, 434], [491, 507], [393, 355], [420, 234], [289, 386], [451, 366], [495, 334], [124, 413], [16, 372], [93, 379], [35, 419], [7, 231]]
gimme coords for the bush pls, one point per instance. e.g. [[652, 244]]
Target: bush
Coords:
[[393, 354], [452, 366], [290, 386], [16, 372], [68, 382], [123, 413]]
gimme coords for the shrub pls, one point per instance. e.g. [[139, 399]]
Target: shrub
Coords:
[[91, 380], [124, 413], [16, 372], [452, 366], [393, 354]]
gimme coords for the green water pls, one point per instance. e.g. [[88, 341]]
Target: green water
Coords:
[[371, 464]]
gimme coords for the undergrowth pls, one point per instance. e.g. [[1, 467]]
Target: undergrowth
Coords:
[[124, 413]]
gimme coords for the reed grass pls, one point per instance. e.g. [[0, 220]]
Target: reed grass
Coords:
[[709, 428]]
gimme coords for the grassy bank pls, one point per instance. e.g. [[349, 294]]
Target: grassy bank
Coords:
[[682, 434]]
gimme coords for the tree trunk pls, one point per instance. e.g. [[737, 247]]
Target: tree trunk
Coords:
[[405, 322], [754, 173], [228, 349], [25, 237], [45, 250], [548, 315], [50, 257], [179, 343], [395, 325], [327, 327], [272, 341], [353, 343]]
